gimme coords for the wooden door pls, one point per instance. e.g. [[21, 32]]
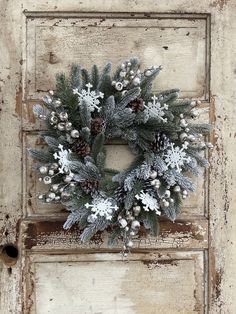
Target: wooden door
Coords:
[[189, 268]]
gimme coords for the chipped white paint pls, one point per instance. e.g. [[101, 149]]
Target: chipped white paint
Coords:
[[59, 38]]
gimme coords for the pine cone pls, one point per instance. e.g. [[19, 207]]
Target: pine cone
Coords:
[[161, 142], [89, 186], [98, 125], [120, 194], [81, 148], [136, 105]]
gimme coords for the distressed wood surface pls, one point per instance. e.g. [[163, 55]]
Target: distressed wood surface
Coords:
[[160, 276], [203, 65]]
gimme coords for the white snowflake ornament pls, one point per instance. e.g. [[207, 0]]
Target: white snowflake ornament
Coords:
[[175, 157], [101, 207], [154, 110], [63, 161], [90, 97], [150, 202]]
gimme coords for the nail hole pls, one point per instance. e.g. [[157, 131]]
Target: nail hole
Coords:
[[10, 250]]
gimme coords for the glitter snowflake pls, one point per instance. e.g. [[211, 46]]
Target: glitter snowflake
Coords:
[[154, 110], [150, 202], [63, 161], [90, 97], [175, 157], [101, 207]]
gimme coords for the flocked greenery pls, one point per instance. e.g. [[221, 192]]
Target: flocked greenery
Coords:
[[137, 130]]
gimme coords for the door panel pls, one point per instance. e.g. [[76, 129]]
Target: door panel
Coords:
[[188, 268]]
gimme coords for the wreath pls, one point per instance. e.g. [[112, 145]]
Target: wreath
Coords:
[[84, 113]]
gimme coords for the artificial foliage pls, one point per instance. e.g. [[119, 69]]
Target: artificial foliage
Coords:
[[89, 109]]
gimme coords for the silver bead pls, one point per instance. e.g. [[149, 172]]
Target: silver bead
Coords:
[[119, 86], [74, 133], [54, 187], [135, 225], [61, 126], [183, 123], [171, 200], [43, 169], [153, 182], [51, 195], [129, 244], [54, 166], [165, 203], [181, 116], [153, 174], [42, 117], [51, 172], [185, 192], [51, 92], [157, 183], [48, 200], [136, 210], [148, 73], [177, 188], [53, 120], [136, 81], [113, 83], [122, 73], [65, 194], [68, 178], [40, 179], [47, 180], [123, 223], [126, 228], [72, 184], [57, 103], [125, 83], [167, 193], [183, 136], [132, 233], [57, 198], [40, 197], [209, 145], [68, 126], [184, 196], [186, 129], [191, 137], [63, 116]]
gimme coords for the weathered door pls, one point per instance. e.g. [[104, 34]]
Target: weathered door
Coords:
[[189, 268]]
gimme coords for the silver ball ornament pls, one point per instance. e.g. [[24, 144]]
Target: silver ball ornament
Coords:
[[183, 136], [57, 103], [61, 126], [136, 210], [74, 133], [135, 225], [51, 172], [167, 193], [129, 244], [136, 81], [118, 86], [68, 126], [55, 187], [185, 192], [53, 120], [43, 169], [183, 123], [148, 73], [51, 195], [177, 188], [153, 174], [47, 180], [123, 223]]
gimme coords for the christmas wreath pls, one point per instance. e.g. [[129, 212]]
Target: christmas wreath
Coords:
[[87, 110]]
